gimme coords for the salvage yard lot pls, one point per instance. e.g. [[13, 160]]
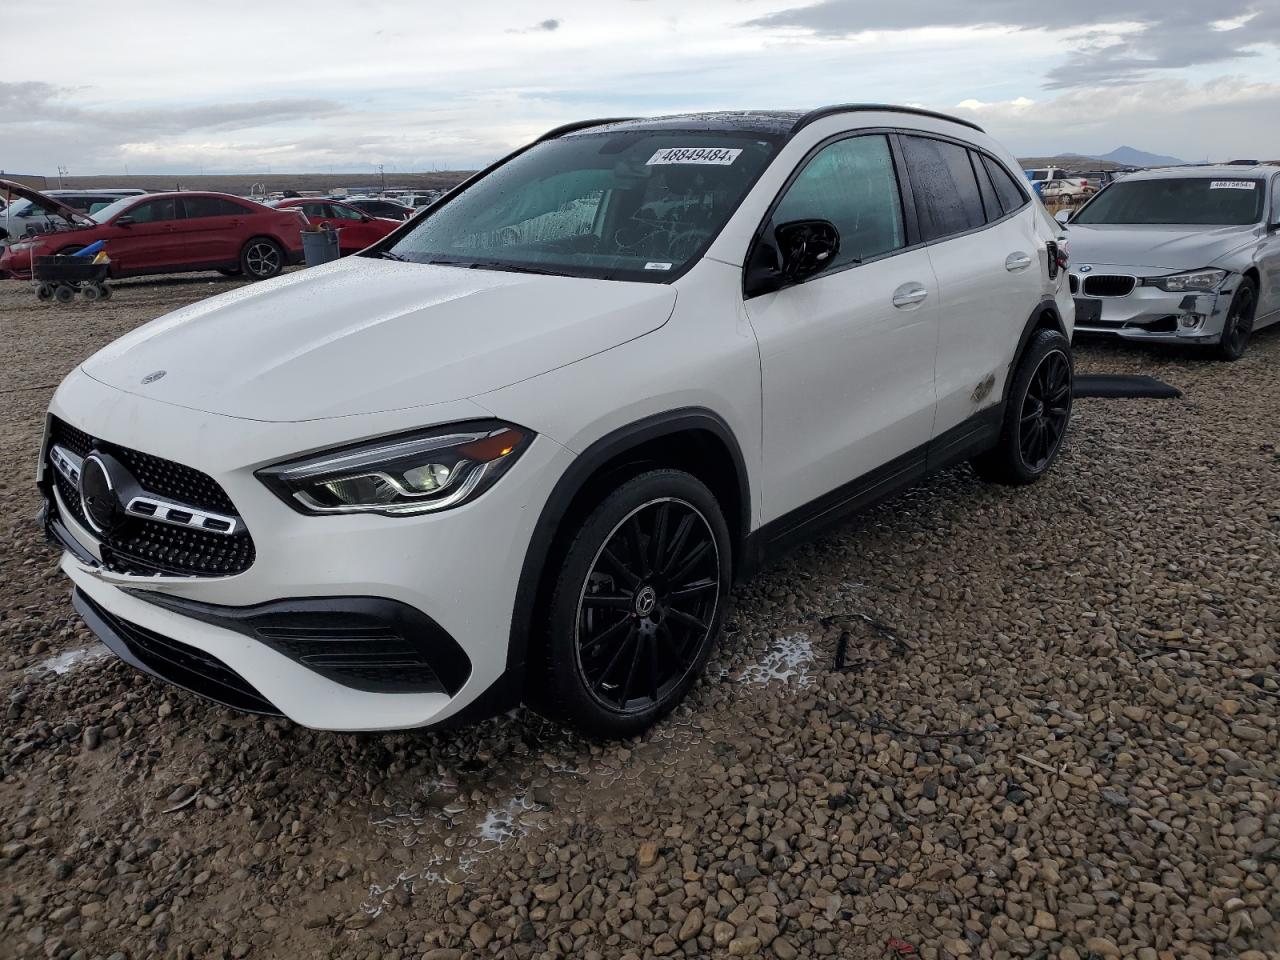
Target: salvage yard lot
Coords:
[[1054, 734]]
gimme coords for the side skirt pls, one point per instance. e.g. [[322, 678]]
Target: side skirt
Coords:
[[962, 442]]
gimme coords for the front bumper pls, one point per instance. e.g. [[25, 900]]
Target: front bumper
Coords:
[[327, 599], [1151, 314]]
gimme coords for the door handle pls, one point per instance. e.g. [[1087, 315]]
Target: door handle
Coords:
[[1017, 261], [909, 295]]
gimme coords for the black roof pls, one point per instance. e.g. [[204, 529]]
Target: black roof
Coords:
[[785, 123]]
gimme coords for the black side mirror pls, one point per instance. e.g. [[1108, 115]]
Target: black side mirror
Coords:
[[806, 247], [366, 219], [799, 249], [123, 222]]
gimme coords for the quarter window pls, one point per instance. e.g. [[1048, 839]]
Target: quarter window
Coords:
[[852, 183], [944, 185], [990, 203], [1007, 189]]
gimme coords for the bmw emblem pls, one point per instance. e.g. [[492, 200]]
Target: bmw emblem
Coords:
[[154, 376], [1084, 269]]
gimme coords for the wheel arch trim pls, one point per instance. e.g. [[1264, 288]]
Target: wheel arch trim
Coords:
[[1046, 309], [612, 445]]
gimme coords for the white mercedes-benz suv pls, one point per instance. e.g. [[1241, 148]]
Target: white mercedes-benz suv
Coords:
[[520, 449]]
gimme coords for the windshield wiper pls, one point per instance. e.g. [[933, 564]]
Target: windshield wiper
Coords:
[[505, 265], [388, 255]]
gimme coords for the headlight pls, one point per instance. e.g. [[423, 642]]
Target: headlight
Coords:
[[406, 474], [22, 245], [1194, 281]]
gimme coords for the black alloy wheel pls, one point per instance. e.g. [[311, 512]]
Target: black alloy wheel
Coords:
[[1036, 414], [1046, 408], [638, 588], [1238, 326], [648, 606]]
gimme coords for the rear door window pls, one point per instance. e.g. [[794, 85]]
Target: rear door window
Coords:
[[212, 207], [945, 188]]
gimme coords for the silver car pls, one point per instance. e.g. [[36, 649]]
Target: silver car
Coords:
[[1180, 255]]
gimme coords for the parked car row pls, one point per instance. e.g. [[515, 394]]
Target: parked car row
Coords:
[[166, 233]]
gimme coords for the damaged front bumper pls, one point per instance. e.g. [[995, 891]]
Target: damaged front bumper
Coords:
[[1148, 312]]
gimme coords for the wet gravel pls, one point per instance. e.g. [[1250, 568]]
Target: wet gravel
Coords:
[[975, 722]]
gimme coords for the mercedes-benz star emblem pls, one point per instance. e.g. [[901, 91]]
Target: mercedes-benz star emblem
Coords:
[[153, 376], [102, 507], [646, 600]]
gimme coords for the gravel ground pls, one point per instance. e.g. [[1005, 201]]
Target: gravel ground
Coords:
[[1054, 735]]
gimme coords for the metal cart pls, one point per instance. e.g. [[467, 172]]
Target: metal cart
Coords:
[[61, 278]]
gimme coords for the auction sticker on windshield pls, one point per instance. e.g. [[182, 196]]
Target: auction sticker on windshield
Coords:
[[1233, 185], [717, 156]]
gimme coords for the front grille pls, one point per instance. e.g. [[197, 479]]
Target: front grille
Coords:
[[1108, 285], [1074, 283], [147, 547], [188, 667]]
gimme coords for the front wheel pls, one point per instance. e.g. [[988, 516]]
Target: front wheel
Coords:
[[1238, 326], [1037, 411], [636, 607], [261, 259]]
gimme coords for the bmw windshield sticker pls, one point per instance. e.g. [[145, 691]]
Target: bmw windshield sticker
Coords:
[[716, 156], [657, 265], [1231, 184]]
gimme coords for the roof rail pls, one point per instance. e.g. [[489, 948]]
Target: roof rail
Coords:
[[818, 114], [561, 130]]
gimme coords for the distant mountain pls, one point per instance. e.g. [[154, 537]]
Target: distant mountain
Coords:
[[1131, 157]]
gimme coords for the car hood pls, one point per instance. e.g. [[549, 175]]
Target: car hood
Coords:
[[48, 204], [364, 336], [1166, 247]]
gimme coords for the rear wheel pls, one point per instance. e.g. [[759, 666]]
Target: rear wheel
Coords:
[[1238, 326], [637, 606], [44, 291], [64, 293], [93, 292], [1036, 415], [261, 259]]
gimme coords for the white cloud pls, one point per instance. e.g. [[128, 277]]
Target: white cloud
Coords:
[[398, 83]]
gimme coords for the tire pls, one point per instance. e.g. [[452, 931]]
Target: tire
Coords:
[[44, 292], [636, 607], [230, 271], [64, 293], [1037, 413], [261, 259], [92, 292], [1238, 326]]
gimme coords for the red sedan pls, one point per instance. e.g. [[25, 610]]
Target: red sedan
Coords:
[[173, 233], [356, 229]]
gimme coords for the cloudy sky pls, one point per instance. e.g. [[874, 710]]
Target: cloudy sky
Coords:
[[238, 86]]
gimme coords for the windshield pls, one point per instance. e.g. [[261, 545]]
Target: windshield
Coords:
[[626, 205], [1184, 200], [19, 208], [104, 214]]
